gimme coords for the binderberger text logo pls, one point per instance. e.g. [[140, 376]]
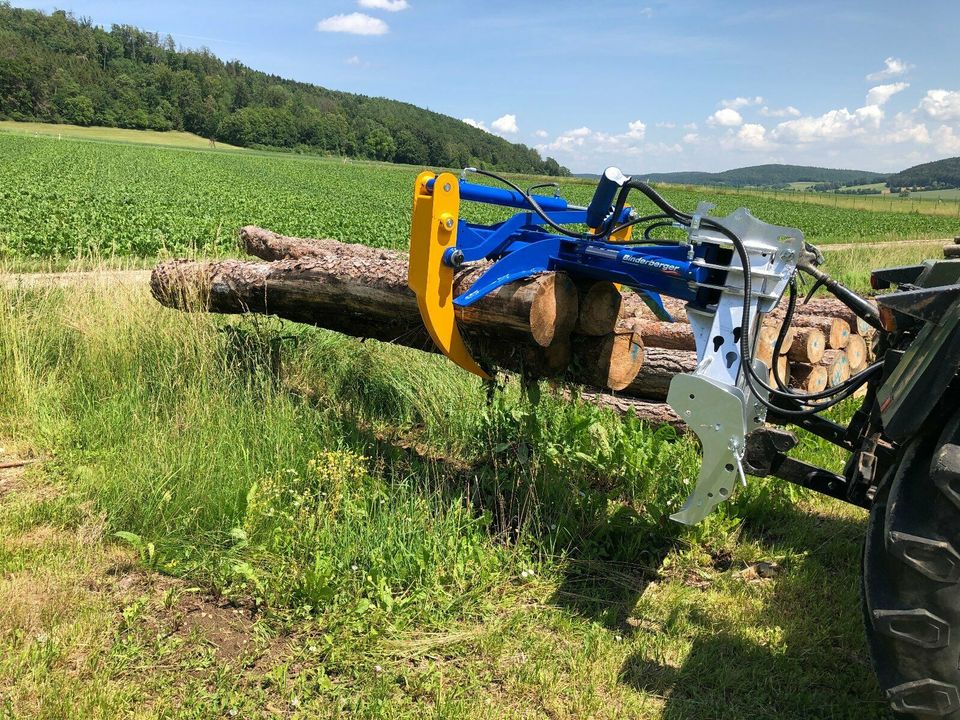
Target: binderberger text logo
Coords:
[[646, 262]]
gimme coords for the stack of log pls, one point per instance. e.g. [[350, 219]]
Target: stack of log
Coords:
[[548, 326]]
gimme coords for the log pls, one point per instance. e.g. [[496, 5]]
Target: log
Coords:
[[831, 307], [599, 308], [659, 367], [543, 307], [669, 336], [608, 361], [808, 346], [655, 413], [857, 353], [951, 251], [783, 369], [363, 289], [837, 365], [835, 330], [808, 378]]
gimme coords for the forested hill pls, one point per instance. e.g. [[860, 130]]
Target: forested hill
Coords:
[[56, 68], [768, 175], [940, 174]]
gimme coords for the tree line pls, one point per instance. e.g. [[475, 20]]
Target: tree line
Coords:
[[61, 69]]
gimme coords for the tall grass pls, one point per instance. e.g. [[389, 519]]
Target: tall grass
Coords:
[[309, 471]]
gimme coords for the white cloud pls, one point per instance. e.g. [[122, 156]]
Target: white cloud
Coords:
[[690, 126], [906, 131], [741, 102], [946, 140], [691, 138], [354, 60], [541, 133], [894, 67], [880, 94], [354, 24], [788, 111], [475, 123], [647, 12], [667, 125], [753, 136], [942, 105], [388, 5], [506, 124], [727, 117], [832, 125], [636, 130]]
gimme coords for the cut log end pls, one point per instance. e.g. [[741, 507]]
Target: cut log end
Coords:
[[808, 346], [600, 304], [611, 361], [808, 378], [553, 308]]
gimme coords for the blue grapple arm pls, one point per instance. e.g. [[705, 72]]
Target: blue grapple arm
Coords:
[[717, 401]]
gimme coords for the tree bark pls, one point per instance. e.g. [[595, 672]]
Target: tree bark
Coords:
[[669, 336], [659, 367]]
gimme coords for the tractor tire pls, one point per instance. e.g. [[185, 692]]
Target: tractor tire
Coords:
[[911, 578]]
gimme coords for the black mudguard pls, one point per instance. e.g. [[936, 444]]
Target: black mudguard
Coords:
[[927, 368]]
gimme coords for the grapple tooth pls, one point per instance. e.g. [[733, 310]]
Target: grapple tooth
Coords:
[[936, 559], [945, 471], [928, 697], [918, 627]]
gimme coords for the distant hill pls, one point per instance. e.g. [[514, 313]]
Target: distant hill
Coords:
[[767, 175], [934, 175], [58, 69]]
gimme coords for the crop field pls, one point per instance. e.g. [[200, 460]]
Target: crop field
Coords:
[[67, 199], [239, 517]]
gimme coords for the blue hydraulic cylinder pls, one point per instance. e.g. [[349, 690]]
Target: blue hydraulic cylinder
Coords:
[[602, 203], [504, 197]]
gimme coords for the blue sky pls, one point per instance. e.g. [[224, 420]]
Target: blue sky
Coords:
[[650, 86]]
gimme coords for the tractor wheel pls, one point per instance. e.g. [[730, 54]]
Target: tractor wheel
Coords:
[[911, 578]]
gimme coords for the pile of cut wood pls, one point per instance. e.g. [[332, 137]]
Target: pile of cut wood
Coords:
[[548, 326]]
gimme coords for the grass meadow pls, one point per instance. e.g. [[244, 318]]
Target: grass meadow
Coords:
[[240, 517]]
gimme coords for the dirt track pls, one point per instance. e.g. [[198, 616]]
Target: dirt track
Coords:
[[858, 246], [65, 279]]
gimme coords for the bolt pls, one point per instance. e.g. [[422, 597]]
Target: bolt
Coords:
[[456, 259], [446, 187]]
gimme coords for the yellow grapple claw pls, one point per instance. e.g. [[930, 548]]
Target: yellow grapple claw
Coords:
[[434, 229]]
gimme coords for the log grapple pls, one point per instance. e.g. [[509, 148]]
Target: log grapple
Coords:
[[903, 439]]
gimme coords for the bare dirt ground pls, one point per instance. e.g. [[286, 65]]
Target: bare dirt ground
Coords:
[[898, 243]]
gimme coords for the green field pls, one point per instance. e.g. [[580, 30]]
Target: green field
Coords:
[[238, 517], [64, 199], [949, 196]]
